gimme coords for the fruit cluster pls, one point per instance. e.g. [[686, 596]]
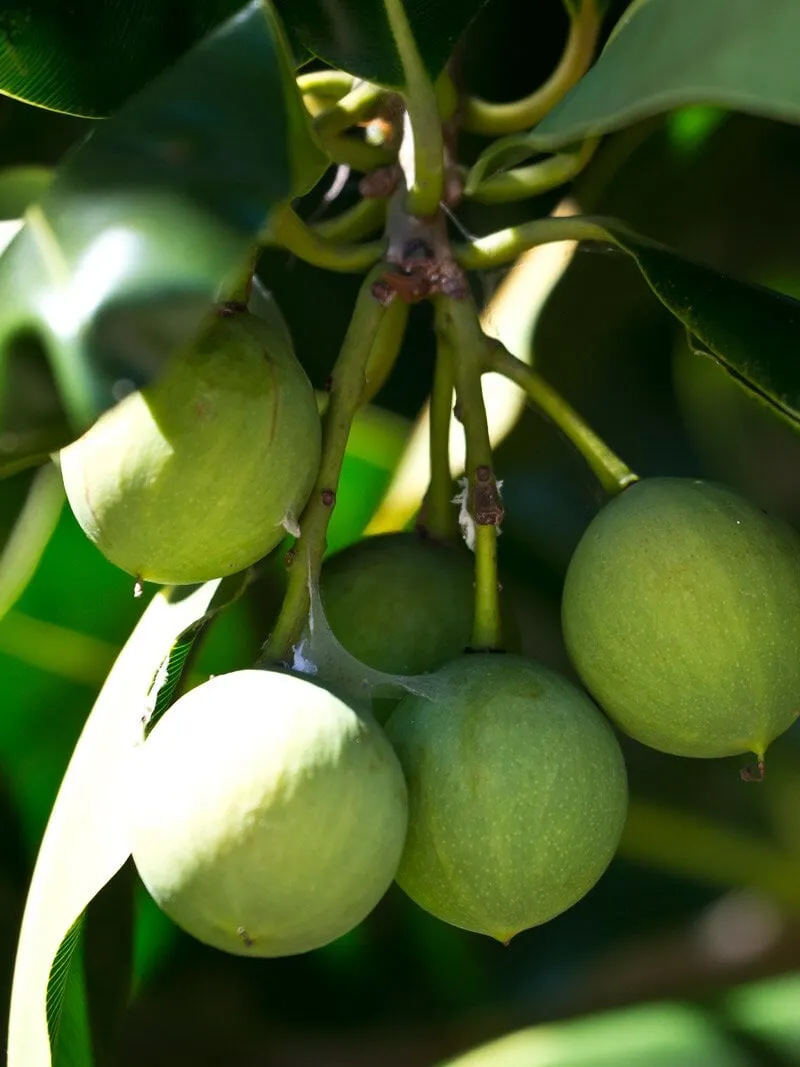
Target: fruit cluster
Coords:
[[269, 817]]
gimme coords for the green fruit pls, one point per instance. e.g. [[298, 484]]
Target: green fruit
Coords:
[[517, 794], [681, 613], [399, 603], [268, 818], [194, 477]]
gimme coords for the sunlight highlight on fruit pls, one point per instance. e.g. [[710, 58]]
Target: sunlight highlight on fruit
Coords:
[[199, 475], [268, 817]]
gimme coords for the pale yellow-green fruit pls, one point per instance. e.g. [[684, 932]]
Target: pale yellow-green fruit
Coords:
[[268, 817], [681, 613], [196, 476], [517, 794]]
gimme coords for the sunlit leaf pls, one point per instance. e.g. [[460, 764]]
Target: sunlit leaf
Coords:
[[157, 212], [355, 35], [664, 54], [86, 840]]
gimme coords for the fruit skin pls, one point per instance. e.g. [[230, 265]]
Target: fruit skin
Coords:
[[681, 613], [268, 818], [191, 478], [399, 603], [517, 794]]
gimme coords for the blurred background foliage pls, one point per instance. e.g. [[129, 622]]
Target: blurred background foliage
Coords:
[[704, 898]]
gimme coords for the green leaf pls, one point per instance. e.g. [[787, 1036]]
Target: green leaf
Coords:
[[752, 331], [67, 1015], [20, 187], [157, 212], [355, 35], [86, 840], [662, 1035], [664, 54], [44, 48], [30, 535]]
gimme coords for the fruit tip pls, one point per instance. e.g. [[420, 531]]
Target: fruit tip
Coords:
[[754, 772]]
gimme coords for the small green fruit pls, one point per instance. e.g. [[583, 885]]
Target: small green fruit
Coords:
[[399, 603], [517, 794], [193, 477], [681, 613], [268, 818]]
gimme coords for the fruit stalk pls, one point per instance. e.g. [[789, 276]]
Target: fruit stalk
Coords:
[[611, 472], [504, 246], [533, 180], [346, 393], [355, 105], [481, 116], [440, 516], [423, 128], [385, 348], [361, 220], [482, 509], [286, 228]]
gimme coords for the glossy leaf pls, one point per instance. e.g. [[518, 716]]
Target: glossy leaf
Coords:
[[157, 212], [355, 35], [736, 54], [44, 48], [752, 331], [86, 840]]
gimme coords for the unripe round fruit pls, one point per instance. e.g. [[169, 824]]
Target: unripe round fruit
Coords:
[[399, 603], [191, 478], [681, 613], [517, 794], [268, 817]]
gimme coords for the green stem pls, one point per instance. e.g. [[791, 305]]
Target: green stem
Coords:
[[361, 220], [385, 348], [349, 110], [440, 516], [356, 154], [286, 228], [486, 253], [458, 322], [425, 177], [487, 631], [332, 83], [346, 394], [523, 182], [481, 116], [612, 473]]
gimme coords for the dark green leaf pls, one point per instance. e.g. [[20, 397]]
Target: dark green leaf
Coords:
[[737, 54], [87, 56], [108, 962], [66, 1000], [354, 35], [752, 331], [157, 212]]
